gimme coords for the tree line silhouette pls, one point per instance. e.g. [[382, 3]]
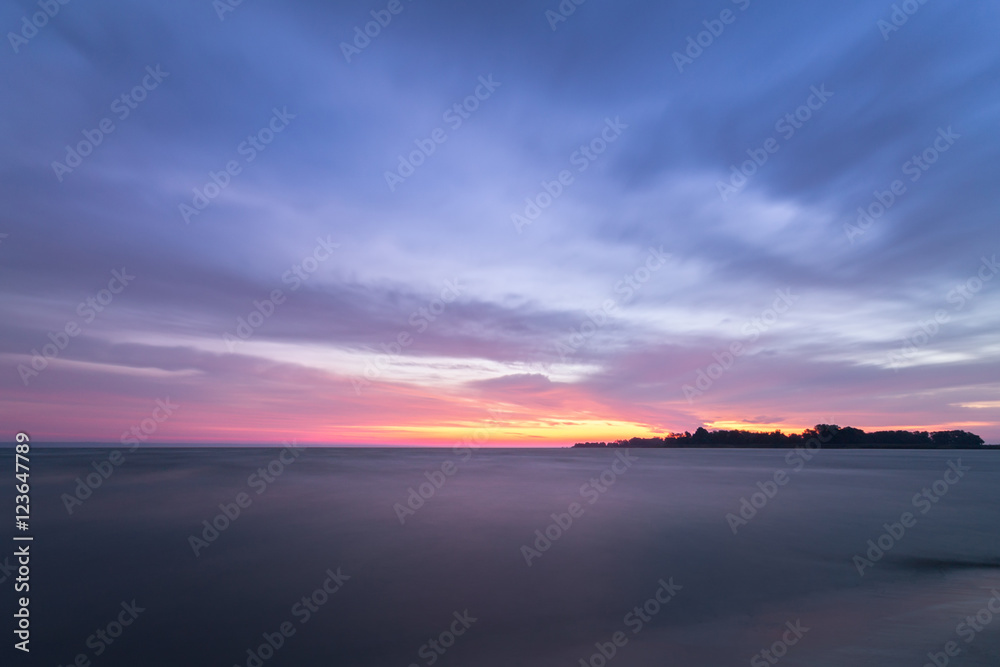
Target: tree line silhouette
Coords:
[[831, 435]]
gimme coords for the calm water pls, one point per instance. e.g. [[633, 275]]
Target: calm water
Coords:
[[460, 556]]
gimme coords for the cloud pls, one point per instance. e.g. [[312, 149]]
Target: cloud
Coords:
[[324, 177]]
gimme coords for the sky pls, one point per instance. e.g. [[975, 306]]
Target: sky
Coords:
[[528, 223]]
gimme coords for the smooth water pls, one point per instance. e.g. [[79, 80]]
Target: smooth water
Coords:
[[460, 554]]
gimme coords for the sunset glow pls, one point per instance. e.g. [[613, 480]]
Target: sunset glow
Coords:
[[374, 248]]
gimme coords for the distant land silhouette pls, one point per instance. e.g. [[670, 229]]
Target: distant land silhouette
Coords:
[[826, 435]]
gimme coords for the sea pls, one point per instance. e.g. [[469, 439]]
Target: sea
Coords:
[[402, 557]]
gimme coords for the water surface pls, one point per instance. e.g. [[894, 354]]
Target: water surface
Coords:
[[663, 519]]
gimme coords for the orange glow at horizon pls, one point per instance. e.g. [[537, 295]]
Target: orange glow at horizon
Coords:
[[317, 408]]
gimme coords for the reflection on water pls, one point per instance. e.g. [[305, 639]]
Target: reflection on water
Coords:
[[401, 557]]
